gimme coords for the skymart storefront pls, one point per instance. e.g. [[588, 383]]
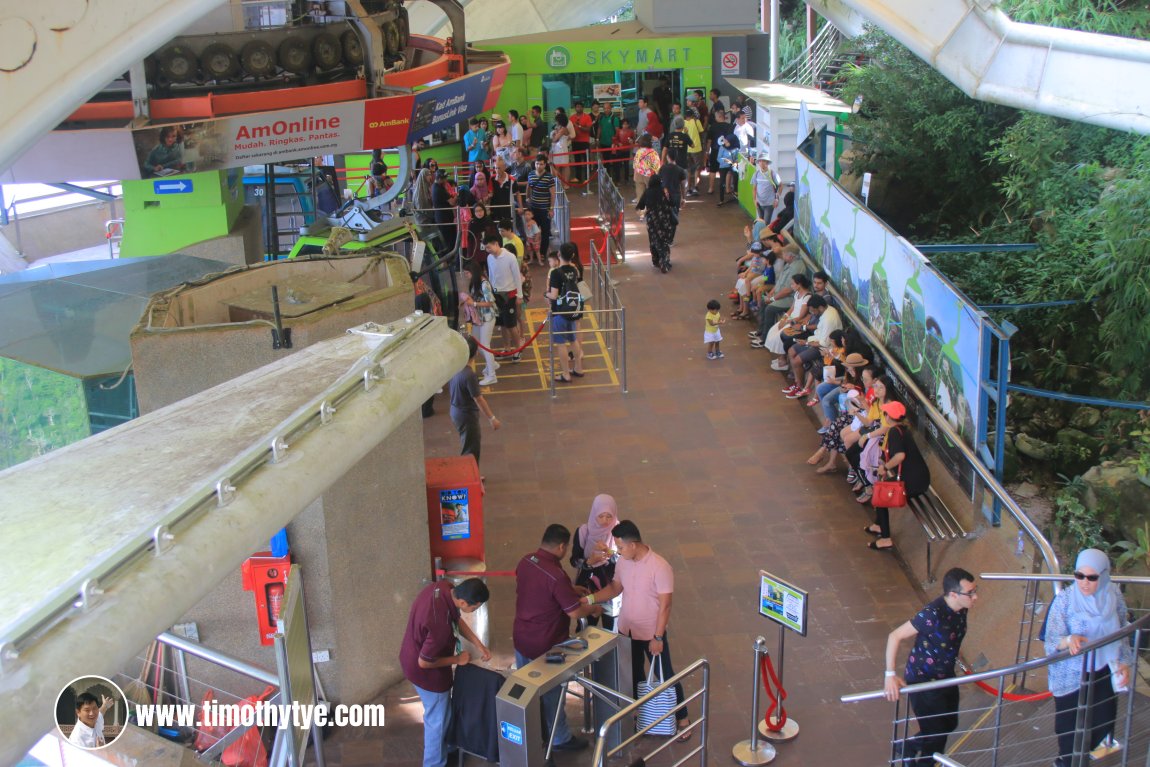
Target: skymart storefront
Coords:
[[614, 64]]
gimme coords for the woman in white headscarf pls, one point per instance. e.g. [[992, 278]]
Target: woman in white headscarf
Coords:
[[1089, 610], [593, 553]]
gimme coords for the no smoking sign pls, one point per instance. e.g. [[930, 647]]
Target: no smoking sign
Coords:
[[729, 63]]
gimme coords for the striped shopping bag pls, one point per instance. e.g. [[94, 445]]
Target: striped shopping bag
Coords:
[[657, 706]]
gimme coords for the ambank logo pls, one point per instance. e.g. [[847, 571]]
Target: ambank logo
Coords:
[[558, 57]]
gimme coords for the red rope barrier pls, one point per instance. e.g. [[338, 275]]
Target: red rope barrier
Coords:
[[509, 353], [767, 671], [1013, 697], [475, 573]]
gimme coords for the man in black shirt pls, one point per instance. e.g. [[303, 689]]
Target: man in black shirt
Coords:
[[718, 128], [563, 292], [538, 128]]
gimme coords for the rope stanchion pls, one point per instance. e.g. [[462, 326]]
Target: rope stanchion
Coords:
[[476, 573], [513, 352], [756, 752]]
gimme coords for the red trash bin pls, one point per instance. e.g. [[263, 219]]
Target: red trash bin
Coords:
[[455, 511]]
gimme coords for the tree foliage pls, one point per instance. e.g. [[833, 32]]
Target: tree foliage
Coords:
[[971, 172]]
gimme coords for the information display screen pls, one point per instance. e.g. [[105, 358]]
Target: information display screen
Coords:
[[782, 603]]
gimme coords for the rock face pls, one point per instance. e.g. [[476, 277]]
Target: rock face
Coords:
[[1032, 447], [1115, 491], [1086, 418]]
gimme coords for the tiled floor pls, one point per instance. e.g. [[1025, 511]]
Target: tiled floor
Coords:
[[708, 458]]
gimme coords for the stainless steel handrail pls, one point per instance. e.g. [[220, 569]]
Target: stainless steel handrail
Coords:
[[1130, 629], [1136, 579], [601, 750], [220, 659], [984, 473]]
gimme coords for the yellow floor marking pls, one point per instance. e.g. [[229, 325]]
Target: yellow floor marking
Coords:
[[597, 351], [978, 724]]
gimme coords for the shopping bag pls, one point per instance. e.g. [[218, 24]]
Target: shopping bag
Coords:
[[657, 706], [248, 750]]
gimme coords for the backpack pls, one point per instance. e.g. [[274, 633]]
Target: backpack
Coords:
[[570, 300]]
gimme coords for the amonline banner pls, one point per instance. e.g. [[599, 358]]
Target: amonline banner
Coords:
[[925, 321]]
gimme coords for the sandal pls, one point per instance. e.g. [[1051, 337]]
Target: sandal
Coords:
[[684, 733], [870, 529], [873, 546], [864, 497], [562, 379], [576, 373]]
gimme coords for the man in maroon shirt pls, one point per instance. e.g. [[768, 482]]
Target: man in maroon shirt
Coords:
[[545, 603], [429, 651]]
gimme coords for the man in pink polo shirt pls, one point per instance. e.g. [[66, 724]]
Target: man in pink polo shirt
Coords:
[[647, 581]]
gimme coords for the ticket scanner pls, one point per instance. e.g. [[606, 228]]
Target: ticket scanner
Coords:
[[596, 659]]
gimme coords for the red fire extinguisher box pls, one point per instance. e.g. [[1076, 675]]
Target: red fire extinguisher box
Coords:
[[265, 576], [455, 511]]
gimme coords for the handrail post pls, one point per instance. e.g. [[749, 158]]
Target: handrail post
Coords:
[[753, 752], [551, 349], [623, 343]]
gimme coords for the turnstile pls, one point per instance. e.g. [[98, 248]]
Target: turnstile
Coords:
[[603, 668]]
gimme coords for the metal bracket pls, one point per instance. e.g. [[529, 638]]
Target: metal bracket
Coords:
[[279, 447], [90, 593], [326, 412], [371, 378], [161, 540], [225, 492], [8, 656]]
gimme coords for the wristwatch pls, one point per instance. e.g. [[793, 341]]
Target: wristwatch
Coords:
[[658, 638]]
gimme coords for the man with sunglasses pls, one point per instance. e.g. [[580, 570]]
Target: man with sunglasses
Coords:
[[937, 630]]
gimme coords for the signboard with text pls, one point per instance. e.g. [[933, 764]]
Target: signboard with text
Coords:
[[782, 603]]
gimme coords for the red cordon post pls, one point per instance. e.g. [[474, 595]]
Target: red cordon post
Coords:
[[511, 352], [756, 752]]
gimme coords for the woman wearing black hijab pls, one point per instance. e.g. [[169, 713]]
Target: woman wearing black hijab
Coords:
[[662, 221]]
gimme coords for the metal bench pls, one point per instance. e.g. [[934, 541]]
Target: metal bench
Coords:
[[937, 522]]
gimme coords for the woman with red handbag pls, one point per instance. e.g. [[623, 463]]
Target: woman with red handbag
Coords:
[[904, 473]]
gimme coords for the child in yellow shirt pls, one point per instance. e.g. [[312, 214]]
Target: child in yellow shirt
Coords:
[[711, 335]]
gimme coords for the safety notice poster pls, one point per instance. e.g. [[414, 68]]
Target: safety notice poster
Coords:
[[454, 514], [782, 603]]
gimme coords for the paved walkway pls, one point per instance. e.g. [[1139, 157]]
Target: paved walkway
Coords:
[[708, 458]]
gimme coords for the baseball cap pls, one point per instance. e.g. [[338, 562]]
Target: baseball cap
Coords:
[[895, 410], [756, 247]]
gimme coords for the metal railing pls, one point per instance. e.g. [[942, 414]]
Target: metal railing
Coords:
[[1033, 604], [561, 215], [701, 668], [114, 234], [606, 310], [1018, 730], [611, 217], [806, 68]]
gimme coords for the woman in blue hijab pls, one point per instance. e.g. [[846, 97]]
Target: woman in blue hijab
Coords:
[[1089, 610]]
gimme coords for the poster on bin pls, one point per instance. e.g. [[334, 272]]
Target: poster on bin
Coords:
[[454, 515], [252, 139], [782, 603]]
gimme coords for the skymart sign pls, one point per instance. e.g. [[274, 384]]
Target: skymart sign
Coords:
[[559, 57]]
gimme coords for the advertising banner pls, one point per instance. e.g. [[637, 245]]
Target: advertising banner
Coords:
[[455, 101], [386, 122], [254, 139], [933, 329], [782, 603]]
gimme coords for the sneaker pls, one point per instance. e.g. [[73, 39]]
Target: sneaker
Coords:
[[753, 334], [798, 394], [790, 390], [756, 344], [487, 381], [780, 366], [1104, 749], [710, 355], [516, 357], [719, 355], [496, 366], [634, 200], [823, 430]]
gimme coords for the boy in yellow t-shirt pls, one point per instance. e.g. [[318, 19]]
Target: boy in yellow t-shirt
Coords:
[[711, 335]]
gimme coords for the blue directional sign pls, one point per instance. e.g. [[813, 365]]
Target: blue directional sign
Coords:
[[511, 733], [172, 186]]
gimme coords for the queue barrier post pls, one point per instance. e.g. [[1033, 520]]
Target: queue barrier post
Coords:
[[755, 752]]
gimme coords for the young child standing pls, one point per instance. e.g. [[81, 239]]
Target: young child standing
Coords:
[[534, 234], [711, 335]]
